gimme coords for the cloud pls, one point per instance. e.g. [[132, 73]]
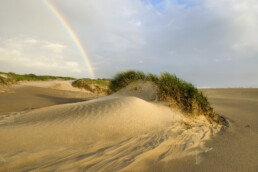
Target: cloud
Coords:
[[210, 43], [31, 41], [58, 48], [43, 57]]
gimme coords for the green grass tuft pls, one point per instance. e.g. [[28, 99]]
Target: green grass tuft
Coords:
[[172, 90], [121, 80], [99, 86]]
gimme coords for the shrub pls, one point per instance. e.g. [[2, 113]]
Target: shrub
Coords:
[[81, 84], [3, 81], [99, 86], [122, 79], [152, 77], [176, 92]]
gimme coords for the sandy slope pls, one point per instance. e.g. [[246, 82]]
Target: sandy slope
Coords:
[[118, 132]]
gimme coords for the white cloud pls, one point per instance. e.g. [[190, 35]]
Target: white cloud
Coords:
[[72, 64], [43, 57], [245, 47], [31, 41], [58, 48]]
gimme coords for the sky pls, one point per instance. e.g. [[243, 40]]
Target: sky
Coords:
[[206, 42]]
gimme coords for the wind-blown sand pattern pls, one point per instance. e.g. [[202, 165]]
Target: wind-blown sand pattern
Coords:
[[114, 133]]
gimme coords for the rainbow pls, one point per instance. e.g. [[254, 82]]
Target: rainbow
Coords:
[[72, 34]]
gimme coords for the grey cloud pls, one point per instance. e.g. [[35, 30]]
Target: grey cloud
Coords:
[[210, 43]]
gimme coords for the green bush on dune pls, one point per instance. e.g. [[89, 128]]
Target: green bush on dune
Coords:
[[176, 92], [123, 79], [3, 81], [184, 94], [172, 90], [99, 86]]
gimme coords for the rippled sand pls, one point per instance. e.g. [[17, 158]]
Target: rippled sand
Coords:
[[121, 132]]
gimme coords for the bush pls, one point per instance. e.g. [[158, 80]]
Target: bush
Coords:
[[176, 92], [3, 81], [122, 79], [99, 86], [80, 83]]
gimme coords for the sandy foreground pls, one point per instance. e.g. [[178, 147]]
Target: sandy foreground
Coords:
[[48, 129]]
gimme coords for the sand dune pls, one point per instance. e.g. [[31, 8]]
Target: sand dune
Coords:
[[117, 132], [128, 131]]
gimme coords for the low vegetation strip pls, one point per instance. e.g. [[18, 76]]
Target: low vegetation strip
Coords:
[[176, 92], [99, 86], [13, 78]]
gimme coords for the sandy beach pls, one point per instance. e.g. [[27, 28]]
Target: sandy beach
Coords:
[[50, 129], [129, 86]]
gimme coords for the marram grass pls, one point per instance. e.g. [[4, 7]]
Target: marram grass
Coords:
[[99, 86], [176, 92]]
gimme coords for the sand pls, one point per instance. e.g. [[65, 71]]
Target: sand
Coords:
[[34, 95], [54, 84], [127, 131], [234, 149]]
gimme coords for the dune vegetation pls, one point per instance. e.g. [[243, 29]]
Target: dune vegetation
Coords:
[[99, 86], [172, 90], [13, 78]]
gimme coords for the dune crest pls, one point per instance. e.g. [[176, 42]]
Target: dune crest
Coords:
[[125, 131]]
